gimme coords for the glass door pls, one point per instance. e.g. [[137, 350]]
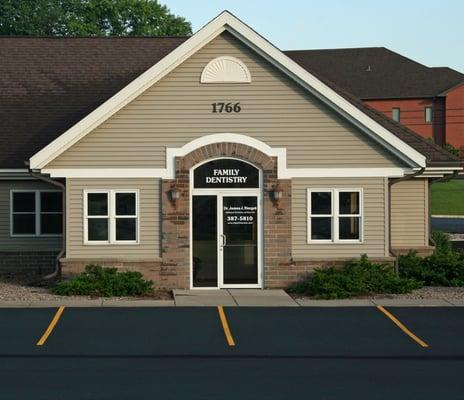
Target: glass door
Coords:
[[204, 241], [238, 241]]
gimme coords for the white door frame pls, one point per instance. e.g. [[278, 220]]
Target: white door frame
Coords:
[[220, 193], [220, 252]]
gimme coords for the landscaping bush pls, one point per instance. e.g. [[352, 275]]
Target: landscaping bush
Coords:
[[359, 277], [443, 268], [453, 150], [105, 282]]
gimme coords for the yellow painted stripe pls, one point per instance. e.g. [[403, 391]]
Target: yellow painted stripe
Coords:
[[402, 327], [225, 326], [50, 328]]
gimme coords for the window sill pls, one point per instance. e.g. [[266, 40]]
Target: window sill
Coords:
[[35, 236], [111, 243], [335, 242]]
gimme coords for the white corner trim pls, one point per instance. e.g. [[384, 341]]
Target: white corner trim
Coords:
[[225, 69], [224, 21], [172, 152]]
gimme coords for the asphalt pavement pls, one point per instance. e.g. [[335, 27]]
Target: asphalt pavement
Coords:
[[450, 225], [275, 353]]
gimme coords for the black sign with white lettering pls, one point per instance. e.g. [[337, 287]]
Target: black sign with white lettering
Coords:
[[226, 173]]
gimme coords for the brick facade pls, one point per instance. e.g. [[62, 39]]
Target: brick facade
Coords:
[[27, 262], [176, 220]]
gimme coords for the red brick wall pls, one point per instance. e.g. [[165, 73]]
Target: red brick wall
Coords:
[[413, 115], [455, 117]]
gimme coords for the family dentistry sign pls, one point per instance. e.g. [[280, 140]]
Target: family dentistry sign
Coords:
[[226, 176], [226, 173]]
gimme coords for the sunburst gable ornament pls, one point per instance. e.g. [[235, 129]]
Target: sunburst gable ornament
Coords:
[[225, 69]]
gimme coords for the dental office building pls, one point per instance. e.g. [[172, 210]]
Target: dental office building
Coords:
[[206, 161]]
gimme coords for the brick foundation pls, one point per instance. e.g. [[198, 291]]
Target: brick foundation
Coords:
[[27, 262]]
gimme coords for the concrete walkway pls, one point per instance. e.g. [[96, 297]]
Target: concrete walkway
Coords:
[[232, 298]]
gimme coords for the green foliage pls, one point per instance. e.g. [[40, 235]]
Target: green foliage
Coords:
[[105, 282], [359, 277], [90, 18], [453, 150], [443, 268]]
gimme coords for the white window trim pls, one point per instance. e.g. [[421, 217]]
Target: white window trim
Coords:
[[393, 114], [111, 216], [335, 215], [38, 213], [431, 114]]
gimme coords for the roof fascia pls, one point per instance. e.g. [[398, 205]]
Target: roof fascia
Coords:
[[226, 21]]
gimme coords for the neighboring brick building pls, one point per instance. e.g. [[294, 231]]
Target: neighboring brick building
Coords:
[[430, 101]]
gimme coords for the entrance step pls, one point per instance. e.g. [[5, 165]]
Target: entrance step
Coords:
[[233, 297], [203, 298], [262, 298]]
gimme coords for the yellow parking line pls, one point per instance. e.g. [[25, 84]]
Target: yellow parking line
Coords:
[[50, 328], [402, 327], [225, 326]]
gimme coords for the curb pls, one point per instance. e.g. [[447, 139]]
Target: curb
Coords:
[[448, 216], [111, 303], [87, 303]]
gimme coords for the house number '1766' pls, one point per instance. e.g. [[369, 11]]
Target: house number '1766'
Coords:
[[226, 108]]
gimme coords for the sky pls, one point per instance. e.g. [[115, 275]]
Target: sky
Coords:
[[430, 32]]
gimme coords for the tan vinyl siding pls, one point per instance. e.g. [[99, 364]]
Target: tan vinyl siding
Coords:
[[374, 219], [23, 243], [410, 213], [177, 110], [149, 219]]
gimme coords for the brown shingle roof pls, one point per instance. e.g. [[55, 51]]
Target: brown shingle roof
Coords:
[[377, 72], [49, 84]]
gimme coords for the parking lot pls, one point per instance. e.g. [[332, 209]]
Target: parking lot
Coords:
[[229, 353]]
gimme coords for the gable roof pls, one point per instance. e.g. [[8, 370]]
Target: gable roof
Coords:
[[42, 95], [49, 84], [377, 72], [227, 22]]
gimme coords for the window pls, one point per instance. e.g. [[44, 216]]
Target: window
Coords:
[[111, 216], [334, 215], [36, 213], [428, 114], [396, 114]]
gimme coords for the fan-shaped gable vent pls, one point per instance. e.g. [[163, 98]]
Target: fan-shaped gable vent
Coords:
[[225, 69]]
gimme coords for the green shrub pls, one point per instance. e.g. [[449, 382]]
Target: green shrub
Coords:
[[105, 282], [453, 150], [443, 268], [359, 277], [442, 242]]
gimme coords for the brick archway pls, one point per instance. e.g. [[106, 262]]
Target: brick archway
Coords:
[[175, 245], [235, 150]]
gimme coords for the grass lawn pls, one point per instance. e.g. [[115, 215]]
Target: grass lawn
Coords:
[[448, 198]]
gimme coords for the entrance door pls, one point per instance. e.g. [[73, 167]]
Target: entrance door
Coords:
[[226, 224], [238, 246], [225, 241]]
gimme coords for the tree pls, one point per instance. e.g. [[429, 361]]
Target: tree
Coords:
[[90, 18]]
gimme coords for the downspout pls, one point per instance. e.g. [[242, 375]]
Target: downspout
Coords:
[[391, 182], [57, 271]]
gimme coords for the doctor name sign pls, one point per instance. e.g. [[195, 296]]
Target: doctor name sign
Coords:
[[226, 173]]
